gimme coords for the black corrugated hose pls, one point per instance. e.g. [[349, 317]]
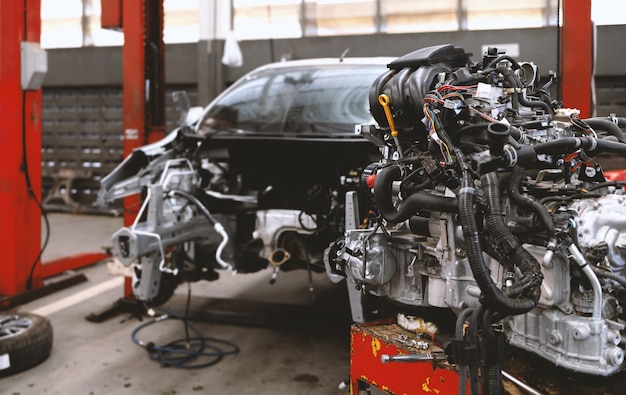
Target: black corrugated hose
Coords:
[[491, 354], [510, 249], [492, 297]]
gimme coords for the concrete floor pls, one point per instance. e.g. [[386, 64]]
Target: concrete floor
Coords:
[[100, 358]]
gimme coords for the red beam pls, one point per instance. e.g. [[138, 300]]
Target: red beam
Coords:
[[111, 14], [20, 112], [577, 56]]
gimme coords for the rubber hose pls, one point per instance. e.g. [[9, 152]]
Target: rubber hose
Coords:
[[491, 366], [593, 146], [510, 78], [606, 125], [412, 204], [194, 199], [610, 275], [500, 58], [458, 334], [534, 103], [472, 336], [516, 197], [621, 122], [492, 374]]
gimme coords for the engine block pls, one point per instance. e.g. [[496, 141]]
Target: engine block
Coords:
[[487, 201]]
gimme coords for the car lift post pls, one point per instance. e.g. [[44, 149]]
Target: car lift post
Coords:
[[24, 65], [20, 150], [143, 62], [577, 56]]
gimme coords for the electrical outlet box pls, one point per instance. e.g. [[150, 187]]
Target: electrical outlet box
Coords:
[[34, 65]]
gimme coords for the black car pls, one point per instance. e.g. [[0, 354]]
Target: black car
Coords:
[[258, 177]]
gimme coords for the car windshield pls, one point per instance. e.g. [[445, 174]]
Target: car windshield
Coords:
[[296, 101]]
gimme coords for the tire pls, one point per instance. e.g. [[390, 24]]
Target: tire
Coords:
[[25, 341]]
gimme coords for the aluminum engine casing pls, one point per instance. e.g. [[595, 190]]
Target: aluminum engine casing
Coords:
[[433, 271]]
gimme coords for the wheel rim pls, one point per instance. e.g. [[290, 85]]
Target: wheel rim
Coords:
[[13, 325]]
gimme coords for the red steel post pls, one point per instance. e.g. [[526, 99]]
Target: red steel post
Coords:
[[20, 150], [577, 56], [111, 14], [143, 85], [144, 81]]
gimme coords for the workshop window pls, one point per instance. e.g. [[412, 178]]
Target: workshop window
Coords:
[[608, 12], [410, 16], [255, 19], [482, 15], [180, 21], [76, 23], [333, 18], [61, 23]]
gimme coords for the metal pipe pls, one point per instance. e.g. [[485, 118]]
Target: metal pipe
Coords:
[[219, 228], [520, 384], [593, 279], [386, 358]]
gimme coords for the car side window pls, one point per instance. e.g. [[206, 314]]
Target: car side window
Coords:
[[312, 100]]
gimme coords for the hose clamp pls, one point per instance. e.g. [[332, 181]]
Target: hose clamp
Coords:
[[594, 143], [578, 142], [511, 155]]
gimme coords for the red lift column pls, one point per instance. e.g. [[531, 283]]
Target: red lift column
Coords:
[[20, 150], [143, 78], [144, 81], [577, 57], [144, 86]]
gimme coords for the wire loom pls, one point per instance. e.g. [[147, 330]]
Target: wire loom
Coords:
[[182, 353]]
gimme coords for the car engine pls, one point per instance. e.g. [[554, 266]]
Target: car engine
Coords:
[[487, 201]]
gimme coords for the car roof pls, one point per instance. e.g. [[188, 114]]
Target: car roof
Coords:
[[373, 60]]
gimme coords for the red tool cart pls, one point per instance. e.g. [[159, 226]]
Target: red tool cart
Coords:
[[395, 360]]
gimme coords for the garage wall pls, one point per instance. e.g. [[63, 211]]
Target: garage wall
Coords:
[[82, 93]]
